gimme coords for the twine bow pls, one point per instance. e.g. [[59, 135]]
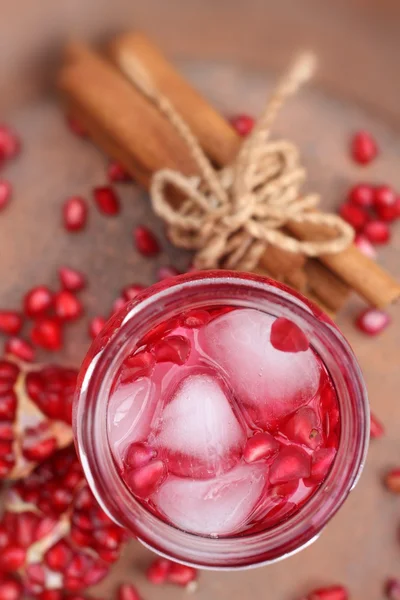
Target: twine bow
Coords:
[[230, 216]]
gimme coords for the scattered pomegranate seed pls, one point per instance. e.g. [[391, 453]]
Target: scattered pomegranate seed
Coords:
[[354, 215], [20, 349], [10, 144], [286, 336], [47, 333], [131, 291], [392, 481], [365, 246], [392, 589], [107, 200], [67, 306], [174, 348], [95, 326], [10, 322], [127, 592], [363, 147], [372, 321], [385, 203], [5, 193], [181, 575], [118, 305], [243, 124], [76, 127], [259, 447], [377, 232], [38, 301], [334, 592], [71, 279], [146, 242], [362, 195], [376, 428], [166, 273], [145, 480], [117, 173], [75, 213], [158, 571]]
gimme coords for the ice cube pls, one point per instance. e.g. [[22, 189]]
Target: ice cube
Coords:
[[270, 383], [130, 410], [215, 507], [198, 433]]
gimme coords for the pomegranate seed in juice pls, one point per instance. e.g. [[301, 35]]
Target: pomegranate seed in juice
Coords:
[[212, 434]]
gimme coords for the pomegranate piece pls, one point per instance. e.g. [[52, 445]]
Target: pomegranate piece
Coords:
[[291, 463], [363, 148], [365, 246], [10, 322], [38, 301], [67, 306], [334, 592], [385, 203], [377, 232], [372, 321], [376, 428], [195, 318], [75, 126], [392, 481], [392, 589], [181, 575], [75, 213], [96, 325], [138, 455], [138, 365], [145, 241], [117, 173], [52, 389], [5, 193], [286, 336], [354, 215], [243, 124], [131, 291], [361, 195], [71, 279], [166, 273], [107, 200], [10, 144], [259, 447], [127, 591], [158, 571], [145, 480], [47, 333], [20, 348], [174, 348]]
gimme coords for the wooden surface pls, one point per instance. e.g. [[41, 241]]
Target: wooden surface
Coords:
[[357, 88]]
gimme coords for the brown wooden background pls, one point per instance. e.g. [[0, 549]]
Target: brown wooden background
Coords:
[[230, 49]]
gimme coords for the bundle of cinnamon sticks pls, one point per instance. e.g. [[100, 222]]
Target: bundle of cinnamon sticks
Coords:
[[99, 93]]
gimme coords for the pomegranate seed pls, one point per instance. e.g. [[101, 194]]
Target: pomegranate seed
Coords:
[[10, 322], [138, 365], [334, 592], [6, 432], [166, 273], [385, 203], [392, 589], [146, 242], [127, 592], [108, 538], [302, 427], [12, 558], [20, 348], [58, 556], [75, 126], [37, 301], [361, 195], [39, 450], [8, 406], [138, 455], [131, 291], [377, 232], [392, 481], [117, 173], [107, 200], [10, 589], [286, 336], [71, 279], [96, 325], [354, 215], [75, 213], [321, 463], [5, 193], [181, 574], [195, 318], [365, 246], [118, 304], [376, 428], [10, 144], [67, 306], [363, 148], [291, 463], [260, 446], [158, 571], [174, 348], [372, 321], [47, 333], [243, 124], [9, 371], [145, 480], [52, 595]]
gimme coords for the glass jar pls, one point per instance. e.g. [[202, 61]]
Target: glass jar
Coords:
[[160, 302]]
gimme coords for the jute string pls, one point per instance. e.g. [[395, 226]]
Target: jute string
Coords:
[[230, 216]]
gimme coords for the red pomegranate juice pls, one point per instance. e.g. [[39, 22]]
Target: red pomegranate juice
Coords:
[[223, 422]]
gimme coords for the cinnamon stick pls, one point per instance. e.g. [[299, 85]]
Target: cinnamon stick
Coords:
[[221, 143]]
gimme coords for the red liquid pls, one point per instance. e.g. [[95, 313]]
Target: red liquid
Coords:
[[223, 422]]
